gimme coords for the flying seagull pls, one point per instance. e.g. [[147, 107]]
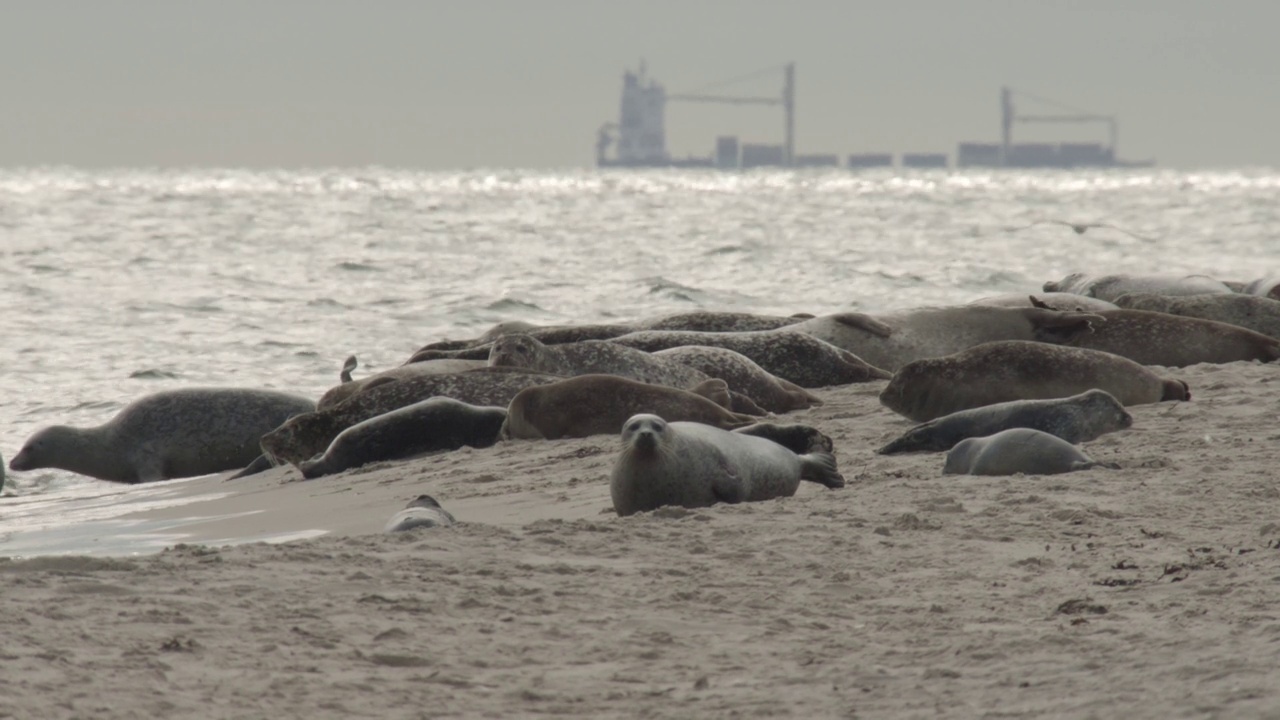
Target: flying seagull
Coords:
[[1080, 228]]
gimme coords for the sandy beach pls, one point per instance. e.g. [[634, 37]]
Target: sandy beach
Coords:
[[1146, 591]]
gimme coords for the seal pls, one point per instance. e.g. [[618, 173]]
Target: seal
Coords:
[[743, 376], [1110, 287], [799, 439], [304, 436], [894, 339], [600, 404], [440, 423], [1076, 419], [1017, 450], [1155, 338], [478, 349], [1049, 300], [1259, 314], [1020, 370], [591, 357], [169, 434], [695, 465], [349, 387], [794, 356], [421, 512], [1267, 287], [706, 321]]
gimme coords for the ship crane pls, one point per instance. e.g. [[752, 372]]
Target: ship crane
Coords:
[[787, 100], [1009, 117]]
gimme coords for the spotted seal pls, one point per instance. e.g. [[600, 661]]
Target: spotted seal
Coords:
[[1076, 419], [421, 512], [707, 321], [599, 404], [1020, 370], [478, 349], [695, 465], [169, 434], [1259, 314], [305, 436], [1017, 450], [744, 376], [439, 423], [350, 386], [1156, 338], [1110, 287]]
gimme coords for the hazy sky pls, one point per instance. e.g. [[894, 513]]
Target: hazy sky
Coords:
[[526, 83]]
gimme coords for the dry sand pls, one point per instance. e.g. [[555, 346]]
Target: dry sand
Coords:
[[1148, 591]]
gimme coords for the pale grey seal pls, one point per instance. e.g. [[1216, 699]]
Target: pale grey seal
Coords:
[[1267, 287], [440, 423], [1156, 338], [421, 512], [1020, 370], [1110, 287], [599, 404], [1259, 314], [695, 465], [1076, 419], [169, 434], [1017, 450], [743, 376]]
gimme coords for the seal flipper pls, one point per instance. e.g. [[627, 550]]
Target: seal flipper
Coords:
[[820, 467], [863, 322], [259, 464], [350, 364]]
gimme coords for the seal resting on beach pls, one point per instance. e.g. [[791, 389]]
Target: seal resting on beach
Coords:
[[478, 348], [892, 340], [1017, 450], [599, 405], [743, 376], [1110, 287], [307, 435], [1267, 287], [799, 439], [1259, 314], [796, 357], [439, 423], [350, 386], [1156, 338], [1076, 419], [1020, 370], [708, 321], [1049, 300], [169, 434], [421, 512], [696, 465]]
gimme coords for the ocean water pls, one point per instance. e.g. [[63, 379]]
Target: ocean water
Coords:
[[120, 283]]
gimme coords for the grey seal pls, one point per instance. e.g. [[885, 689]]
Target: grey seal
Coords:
[[1156, 338], [1050, 300], [1110, 287], [440, 423], [1267, 287], [169, 434], [708, 321], [591, 357], [797, 357], [478, 349], [1017, 450], [350, 386], [421, 512], [1259, 314], [599, 404], [891, 340], [304, 436], [1019, 370], [695, 465], [743, 376], [1076, 419]]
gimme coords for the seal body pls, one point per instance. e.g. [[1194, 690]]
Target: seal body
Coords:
[[894, 339], [591, 357], [744, 376], [350, 386], [1050, 300], [1110, 287], [1076, 419], [1267, 287], [422, 512], [1155, 338], [439, 423], [1017, 450], [478, 349], [1019, 370], [794, 356], [169, 434], [305, 436], [706, 321], [696, 465], [1259, 314], [600, 404]]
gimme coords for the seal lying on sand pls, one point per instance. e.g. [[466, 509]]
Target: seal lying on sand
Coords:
[[422, 512], [169, 434], [696, 465], [350, 387], [1020, 370], [1076, 419], [894, 339], [600, 404], [706, 321], [799, 439], [1018, 450], [743, 376], [1110, 287], [794, 356], [440, 423], [304, 436], [1259, 314], [1156, 338], [1267, 287], [1049, 300], [478, 349]]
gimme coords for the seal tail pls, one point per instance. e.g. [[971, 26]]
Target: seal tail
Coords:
[[820, 467]]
